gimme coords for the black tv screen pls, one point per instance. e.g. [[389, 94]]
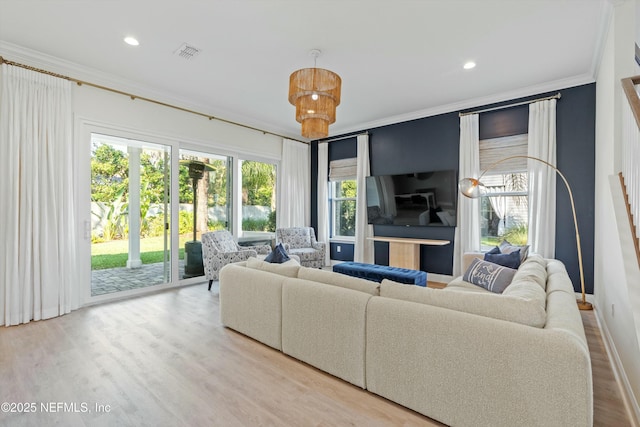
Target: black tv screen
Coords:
[[413, 199]]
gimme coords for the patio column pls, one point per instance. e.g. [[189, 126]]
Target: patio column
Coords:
[[134, 208]]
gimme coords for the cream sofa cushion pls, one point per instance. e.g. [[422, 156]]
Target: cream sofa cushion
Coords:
[[522, 307], [324, 326], [338, 279], [251, 303], [289, 268], [533, 268], [462, 285], [557, 280]]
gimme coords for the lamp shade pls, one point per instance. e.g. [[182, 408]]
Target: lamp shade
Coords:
[[315, 92], [472, 188]]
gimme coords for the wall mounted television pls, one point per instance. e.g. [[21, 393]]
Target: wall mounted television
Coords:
[[413, 199]]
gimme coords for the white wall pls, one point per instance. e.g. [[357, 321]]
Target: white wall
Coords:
[[611, 295], [93, 104]]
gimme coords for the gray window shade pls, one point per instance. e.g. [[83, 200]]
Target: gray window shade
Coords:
[[343, 169], [495, 149]]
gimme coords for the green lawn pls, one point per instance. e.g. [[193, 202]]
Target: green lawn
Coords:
[[114, 253], [491, 241]]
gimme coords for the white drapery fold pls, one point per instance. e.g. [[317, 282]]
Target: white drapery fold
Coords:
[[363, 251], [467, 234], [38, 271], [293, 192], [323, 198], [542, 178]]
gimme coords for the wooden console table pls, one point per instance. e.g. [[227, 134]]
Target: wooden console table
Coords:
[[404, 252]]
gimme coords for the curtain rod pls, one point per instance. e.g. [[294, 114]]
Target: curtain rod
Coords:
[[134, 97], [556, 96], [322, 141]]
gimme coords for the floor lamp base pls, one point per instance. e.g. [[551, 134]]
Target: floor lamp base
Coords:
[[584, 305]]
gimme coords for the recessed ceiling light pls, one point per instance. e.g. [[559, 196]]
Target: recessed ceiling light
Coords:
[[469, 65], [131, 41]]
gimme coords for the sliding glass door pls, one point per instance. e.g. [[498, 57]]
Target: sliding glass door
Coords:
[[130, 214], [205, 203]]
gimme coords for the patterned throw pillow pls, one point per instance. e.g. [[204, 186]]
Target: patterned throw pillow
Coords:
[[492, 277], [278, 255]]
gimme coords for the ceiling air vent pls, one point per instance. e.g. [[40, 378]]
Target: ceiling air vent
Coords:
[[187, 51]]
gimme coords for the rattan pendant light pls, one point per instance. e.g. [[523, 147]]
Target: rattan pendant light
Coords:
[[315, 92]]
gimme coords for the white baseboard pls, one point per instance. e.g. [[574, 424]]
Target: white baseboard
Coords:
[[630, 402]]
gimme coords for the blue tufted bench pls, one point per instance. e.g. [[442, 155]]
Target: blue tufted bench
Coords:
[[378, 272]]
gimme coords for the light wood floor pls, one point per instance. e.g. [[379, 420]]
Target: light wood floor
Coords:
[[165, 360]]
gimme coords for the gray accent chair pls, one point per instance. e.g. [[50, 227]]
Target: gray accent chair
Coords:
[[219, 249], [301, 241]]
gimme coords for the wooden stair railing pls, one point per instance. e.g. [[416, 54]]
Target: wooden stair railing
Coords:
[[636, 241], [628, 86]]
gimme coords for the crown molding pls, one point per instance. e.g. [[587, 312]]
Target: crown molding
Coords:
[[473, 103], [37, 59]]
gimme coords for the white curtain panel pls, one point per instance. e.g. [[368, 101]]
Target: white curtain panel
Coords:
[[542, 178], [467, 234], [363, 251], [293, 194], [323, 198], [38, 270]]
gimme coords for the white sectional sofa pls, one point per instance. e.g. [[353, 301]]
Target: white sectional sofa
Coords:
[[460, 355]]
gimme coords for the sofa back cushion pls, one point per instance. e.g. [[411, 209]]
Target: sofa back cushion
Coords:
[[533, 268], [512, 308], [289, 268], [558, 279], [295, 237], [337, 279]]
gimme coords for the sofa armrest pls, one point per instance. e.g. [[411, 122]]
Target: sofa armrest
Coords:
[[320, 246], [241, 255], [468, 257], [260, 249]]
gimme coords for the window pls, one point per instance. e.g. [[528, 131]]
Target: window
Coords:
[[343, 208], [504, 209], [258, 201]]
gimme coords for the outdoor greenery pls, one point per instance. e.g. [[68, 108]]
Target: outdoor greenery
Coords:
[[346, 209], [114, 254], [516, 235], [110, 188]]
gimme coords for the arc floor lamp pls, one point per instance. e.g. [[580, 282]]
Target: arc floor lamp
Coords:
[[474, 188]]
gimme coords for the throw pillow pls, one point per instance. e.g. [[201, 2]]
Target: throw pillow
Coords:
[[288, 269], [492, 277], [278, 255], [495, 250], [506, 248], [511, 260]]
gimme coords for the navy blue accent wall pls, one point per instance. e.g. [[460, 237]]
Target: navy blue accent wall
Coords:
[[346, 251], [432, 143]]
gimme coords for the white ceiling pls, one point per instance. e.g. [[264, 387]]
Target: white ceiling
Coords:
[[398, 59]]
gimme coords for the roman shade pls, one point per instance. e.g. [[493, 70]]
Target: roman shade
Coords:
[[342, 169]]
